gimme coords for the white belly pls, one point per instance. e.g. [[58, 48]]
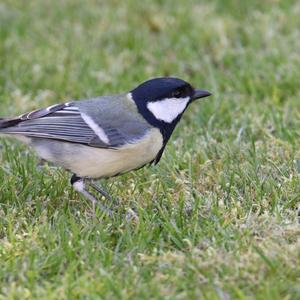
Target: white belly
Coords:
[[93, 162]]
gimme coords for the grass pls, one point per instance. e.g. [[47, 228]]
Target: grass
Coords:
[[218, 216]]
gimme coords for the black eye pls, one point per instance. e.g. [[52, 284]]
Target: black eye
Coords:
[[176, 94]]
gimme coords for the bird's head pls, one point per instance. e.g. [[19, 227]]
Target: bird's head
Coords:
[[162, 101]]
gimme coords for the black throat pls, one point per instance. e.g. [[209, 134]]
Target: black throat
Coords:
[[165, 128]]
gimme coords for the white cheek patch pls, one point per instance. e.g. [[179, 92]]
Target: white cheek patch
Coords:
[[168, 109], [95, 127]]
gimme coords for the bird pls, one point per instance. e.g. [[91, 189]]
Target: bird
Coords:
[[106, 136]]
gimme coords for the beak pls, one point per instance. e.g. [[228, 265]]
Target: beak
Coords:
[[200, 94]]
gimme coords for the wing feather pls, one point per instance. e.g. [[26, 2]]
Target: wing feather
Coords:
[[65, 122], [114, 117], [60, 122]]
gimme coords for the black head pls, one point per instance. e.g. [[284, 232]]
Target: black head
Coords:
[[166, 87], [163, 100]]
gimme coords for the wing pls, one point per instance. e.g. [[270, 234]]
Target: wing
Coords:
[[96, 127]]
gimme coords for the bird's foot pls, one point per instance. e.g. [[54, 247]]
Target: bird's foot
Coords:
[[131, 215]]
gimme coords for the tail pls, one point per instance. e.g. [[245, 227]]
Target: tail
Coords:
[[2, 121], [5, 123]]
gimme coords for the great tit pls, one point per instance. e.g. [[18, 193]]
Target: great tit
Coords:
[[108, 135]]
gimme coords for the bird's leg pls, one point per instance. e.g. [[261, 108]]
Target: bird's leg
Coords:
[[105, 194], [79, 186], [101, 190], [131, 214]]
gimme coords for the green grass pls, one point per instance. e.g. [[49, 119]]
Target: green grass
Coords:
[[218, 215]]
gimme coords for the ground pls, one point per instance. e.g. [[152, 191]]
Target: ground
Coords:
[[218, 215]]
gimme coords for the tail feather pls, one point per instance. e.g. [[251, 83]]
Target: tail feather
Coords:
[[2, 120], [5, 123]]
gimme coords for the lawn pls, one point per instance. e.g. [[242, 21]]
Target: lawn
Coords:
[[218, 216]]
